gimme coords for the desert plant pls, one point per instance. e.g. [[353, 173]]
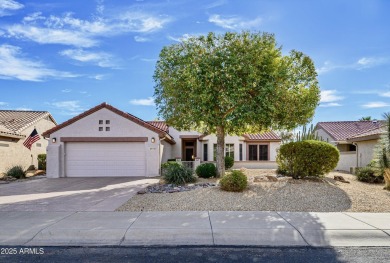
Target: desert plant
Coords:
[[206, 170], [307, 158], [229, 162], [16, 171], [308, 134], [236, 181], [368, 174], [41, 161], [382, 153], [165, 166], [178, 174]]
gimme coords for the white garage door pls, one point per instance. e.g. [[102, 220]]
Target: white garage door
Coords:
[[105, 159]]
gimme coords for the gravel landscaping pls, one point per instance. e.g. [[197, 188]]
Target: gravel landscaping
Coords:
[[285, 194]]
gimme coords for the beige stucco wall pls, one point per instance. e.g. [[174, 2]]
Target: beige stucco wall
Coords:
[[325, 136], [347, 160], [89, 127], [366, 152], [17, 154]]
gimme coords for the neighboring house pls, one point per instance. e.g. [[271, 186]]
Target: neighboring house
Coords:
[[15, 128], [355, 140], [105, 141]]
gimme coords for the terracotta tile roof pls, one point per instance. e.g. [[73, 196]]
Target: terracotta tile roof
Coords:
[[264, 136], [162, 125], [14, 122], [342, 130], [372, 134], [128, 116]]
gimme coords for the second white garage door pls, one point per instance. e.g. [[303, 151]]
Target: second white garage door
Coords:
[[105, 159]]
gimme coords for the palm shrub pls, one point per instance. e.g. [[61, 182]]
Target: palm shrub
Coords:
[[229, 162], [178, 174], [307, 158], [206, 170], [382, 153], [16, 171], [236, 181]]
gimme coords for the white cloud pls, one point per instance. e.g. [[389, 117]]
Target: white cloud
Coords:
[[13, 65], [183, 37], [23, 109], [141, 39], [143, 102], [66, 90], [149, 59], [51, 36], [360, 64], [2, 103], [234, 22], [68, 107], [376, 104], [101, 59], [330, 104], [385, 94], [330, 96], [9, 5], [215, 4], [69, 30]]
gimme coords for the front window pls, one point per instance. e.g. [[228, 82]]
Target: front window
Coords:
[[252, 152], [258, 152], [229, 150], [205, 150]]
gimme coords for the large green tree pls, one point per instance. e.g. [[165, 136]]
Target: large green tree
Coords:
[[234, 83]]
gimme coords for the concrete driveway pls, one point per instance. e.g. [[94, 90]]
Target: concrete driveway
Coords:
[[70, 194]]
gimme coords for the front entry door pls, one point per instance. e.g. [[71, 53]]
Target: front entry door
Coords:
[[189, 153]]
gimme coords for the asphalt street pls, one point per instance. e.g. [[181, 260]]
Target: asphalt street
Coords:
[[194, 254]]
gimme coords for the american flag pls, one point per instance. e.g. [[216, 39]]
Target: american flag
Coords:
[[31, 139]]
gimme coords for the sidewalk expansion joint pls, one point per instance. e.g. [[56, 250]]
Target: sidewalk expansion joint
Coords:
[[124, 235], [366, 223], [211, 226], [49, 226], [294, 228]]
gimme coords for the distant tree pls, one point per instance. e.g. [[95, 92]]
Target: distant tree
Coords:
[[367, 118], [234, 83]]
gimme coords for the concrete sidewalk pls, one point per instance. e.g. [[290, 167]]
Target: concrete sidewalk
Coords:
[[194, 228]]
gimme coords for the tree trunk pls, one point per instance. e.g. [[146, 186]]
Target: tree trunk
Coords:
[[386, 175], [220, 151]]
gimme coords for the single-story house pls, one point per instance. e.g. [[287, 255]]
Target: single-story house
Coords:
[[15, 129], [355, 140], [105, 141]]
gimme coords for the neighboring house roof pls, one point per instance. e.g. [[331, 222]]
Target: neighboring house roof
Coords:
[[342, 130], [162, 133], [13, 122], [264, 136], [162, 125], [372, 134]]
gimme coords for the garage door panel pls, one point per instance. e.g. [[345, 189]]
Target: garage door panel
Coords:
[[105, 159]]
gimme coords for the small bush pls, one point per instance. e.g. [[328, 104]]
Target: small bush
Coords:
[[307, 158], [16, 172], [236, 181], [178, 174], [368, 174], [206, 170], [229, 162], [31, 168], [168, 164], [42, 161]]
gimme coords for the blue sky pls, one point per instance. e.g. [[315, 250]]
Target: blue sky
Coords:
[[68, 56]]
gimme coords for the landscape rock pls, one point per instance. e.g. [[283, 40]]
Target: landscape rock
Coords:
[[272, 178], [340, 179]]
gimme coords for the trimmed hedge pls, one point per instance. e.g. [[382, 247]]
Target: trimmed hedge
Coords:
[[307, 158], [236, 181], [206, 170], [229, 162]]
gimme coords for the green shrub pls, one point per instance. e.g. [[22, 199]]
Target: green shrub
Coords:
[[307, 158], [42, 161], [229, 162], [206, 170], [368, 174], [168, 164], [16, 172], [236, 181], [178, 174]]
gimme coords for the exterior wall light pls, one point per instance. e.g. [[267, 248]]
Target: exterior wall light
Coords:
[[153, 139], [54, 140]]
